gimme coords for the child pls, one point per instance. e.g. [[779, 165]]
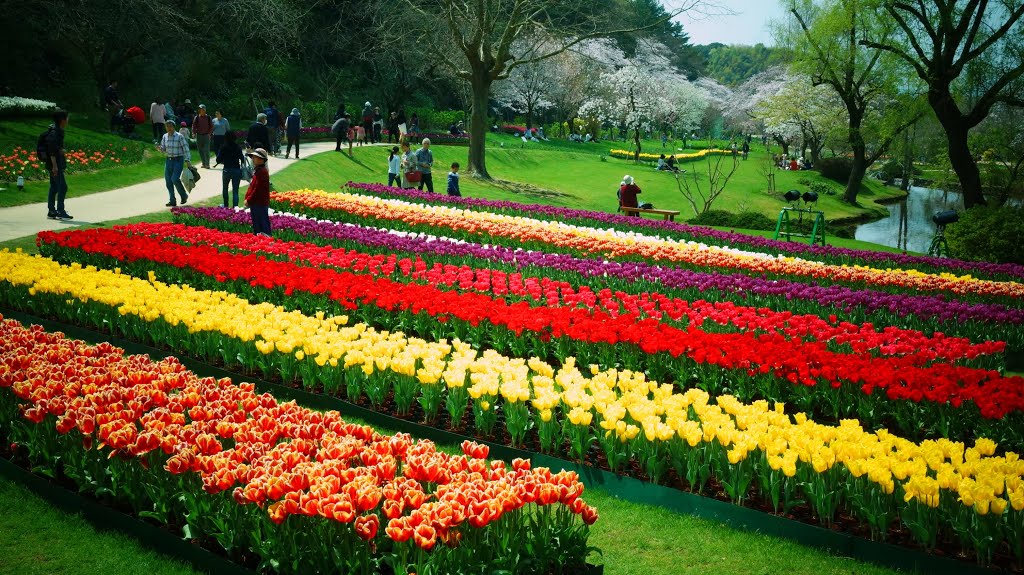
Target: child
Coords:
[[184, 132], [453, 181], [257, 197], [360, 135], [394, 162]]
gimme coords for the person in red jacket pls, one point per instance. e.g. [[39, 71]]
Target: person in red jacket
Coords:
[[627, 194], [257, 196]]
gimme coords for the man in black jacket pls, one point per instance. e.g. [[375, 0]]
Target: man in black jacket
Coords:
[[56, 164], [258, 136]]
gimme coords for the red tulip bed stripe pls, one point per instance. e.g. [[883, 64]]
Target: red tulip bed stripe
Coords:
[[928, 313], [543, 236], [756, 365], [303, 490], [860, 339]]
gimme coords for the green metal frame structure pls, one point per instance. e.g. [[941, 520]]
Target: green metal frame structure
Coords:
[[939, 248], [782, 226]]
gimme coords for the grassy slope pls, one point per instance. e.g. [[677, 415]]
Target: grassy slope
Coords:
[[24, 134], [330, 171]]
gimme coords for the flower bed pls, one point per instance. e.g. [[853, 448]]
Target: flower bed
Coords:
[[682, 157], [685, 232], [877, 476], [234, 464], [977, 322], [556, 236], [23, 161], [808, 374], [13, 106]]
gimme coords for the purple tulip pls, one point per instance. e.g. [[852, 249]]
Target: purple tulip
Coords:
[[924, 307], [701, 234]]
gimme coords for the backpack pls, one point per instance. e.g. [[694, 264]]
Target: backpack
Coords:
[[42, 146]]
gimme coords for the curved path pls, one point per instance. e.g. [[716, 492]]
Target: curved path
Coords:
[[131, 201]]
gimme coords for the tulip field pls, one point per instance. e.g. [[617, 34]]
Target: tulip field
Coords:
[[861, 391]]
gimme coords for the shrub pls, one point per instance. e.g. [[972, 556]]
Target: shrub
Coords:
[[742, 220], [713, 218], [837, 168], [990, 234], [753, 221], [820, 188]]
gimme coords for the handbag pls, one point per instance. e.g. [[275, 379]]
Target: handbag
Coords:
[[195, 173], [414, 176], [246, 168]]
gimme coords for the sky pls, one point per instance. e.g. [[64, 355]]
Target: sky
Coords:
[[747, 26]]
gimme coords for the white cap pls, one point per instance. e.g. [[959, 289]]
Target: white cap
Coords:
[[627, 180]]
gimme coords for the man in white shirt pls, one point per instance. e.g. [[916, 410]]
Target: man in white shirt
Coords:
[[157, 115]]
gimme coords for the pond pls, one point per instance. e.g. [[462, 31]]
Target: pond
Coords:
[[909, 225]]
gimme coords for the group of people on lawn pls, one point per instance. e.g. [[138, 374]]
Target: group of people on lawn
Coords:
[[412, 169]]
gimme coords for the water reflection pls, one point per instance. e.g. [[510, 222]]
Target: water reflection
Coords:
[[909, 225]]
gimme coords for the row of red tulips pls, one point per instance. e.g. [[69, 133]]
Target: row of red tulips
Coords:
[[538, 290], [292, 485]]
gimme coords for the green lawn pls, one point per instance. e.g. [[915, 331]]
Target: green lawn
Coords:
[[578, 180], [38, 539], [24, 134]]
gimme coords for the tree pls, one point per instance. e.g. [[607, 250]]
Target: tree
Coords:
[[628, 98], [475, 40], [526, 88], [943, 40], [720, 170], [831, 39], [800, 109], [108, 35]]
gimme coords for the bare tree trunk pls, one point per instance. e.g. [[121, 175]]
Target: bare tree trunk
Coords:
[[636, 138], [481, 84], [908, 162]]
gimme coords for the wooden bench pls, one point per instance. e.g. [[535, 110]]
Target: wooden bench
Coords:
[[668, 215]]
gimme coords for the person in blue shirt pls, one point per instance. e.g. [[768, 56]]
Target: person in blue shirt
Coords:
[[453, 181], [274, 123]]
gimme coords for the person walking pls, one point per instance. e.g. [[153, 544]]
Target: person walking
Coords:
[[453, 181], [157, 115], [257, 196], [394, 167], [230, 154], [424, 160], [367, 123], [112, 103], [259, 134], [378, 126], [221, 127], [202, 129], [393, 128], [273, 123], [175, 146], [56, 163], [293, 128], [340, 129], [408, 165], [414, 124], [746, 149], [627, 194]]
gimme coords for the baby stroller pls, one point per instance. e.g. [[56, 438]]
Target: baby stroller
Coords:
[[128, 118]]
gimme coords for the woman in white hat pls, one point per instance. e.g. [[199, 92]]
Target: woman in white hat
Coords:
[[257, 197], [627, 194]]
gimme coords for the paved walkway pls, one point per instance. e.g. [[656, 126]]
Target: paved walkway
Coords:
[[137, 200]]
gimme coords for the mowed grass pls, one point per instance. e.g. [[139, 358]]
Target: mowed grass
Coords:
[[24, 133], [331, 170], [39, 539]]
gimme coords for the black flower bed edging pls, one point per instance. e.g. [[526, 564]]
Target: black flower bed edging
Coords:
[[110, 519], [622, 487]]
